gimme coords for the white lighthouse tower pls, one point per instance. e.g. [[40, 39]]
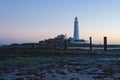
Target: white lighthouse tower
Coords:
[[76, 39], [76, 30]]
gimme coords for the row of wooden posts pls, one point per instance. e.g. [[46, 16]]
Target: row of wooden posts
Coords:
[[105, 43], [90, 44]]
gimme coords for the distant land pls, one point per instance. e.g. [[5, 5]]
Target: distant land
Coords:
[[1, 45]]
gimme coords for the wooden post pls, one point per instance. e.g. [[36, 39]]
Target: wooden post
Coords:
[[32, 46], [105, 43], [90, 43], [54, 44], [65, 44]]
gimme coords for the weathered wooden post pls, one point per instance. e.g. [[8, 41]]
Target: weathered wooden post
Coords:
[[32, 46], [105, 43], [90, 43], [54, 44], [65, 44]]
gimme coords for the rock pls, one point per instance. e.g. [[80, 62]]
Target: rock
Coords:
[[99, 77], [99, 65], [74, 79], [37, 74], [65, 72], [1, 72], [7, 70], [74, 63], [77, 69], [92, 71], [20, 79], [31, 72], [109, 71], [22, 72], [52, 71], [60, 64], [78, 63], [26, 72], [71, 70], [118, 78], [40, 74], [10, 70], [34, 78]]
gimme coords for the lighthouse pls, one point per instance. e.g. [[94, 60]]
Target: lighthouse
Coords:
[[76, 38], [76, 29]]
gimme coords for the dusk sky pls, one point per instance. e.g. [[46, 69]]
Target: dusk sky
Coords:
[[34, 20]]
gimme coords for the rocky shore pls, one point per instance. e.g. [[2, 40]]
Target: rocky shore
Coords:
[[61, 68]]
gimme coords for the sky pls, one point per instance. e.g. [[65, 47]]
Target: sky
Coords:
[[24, 21]]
